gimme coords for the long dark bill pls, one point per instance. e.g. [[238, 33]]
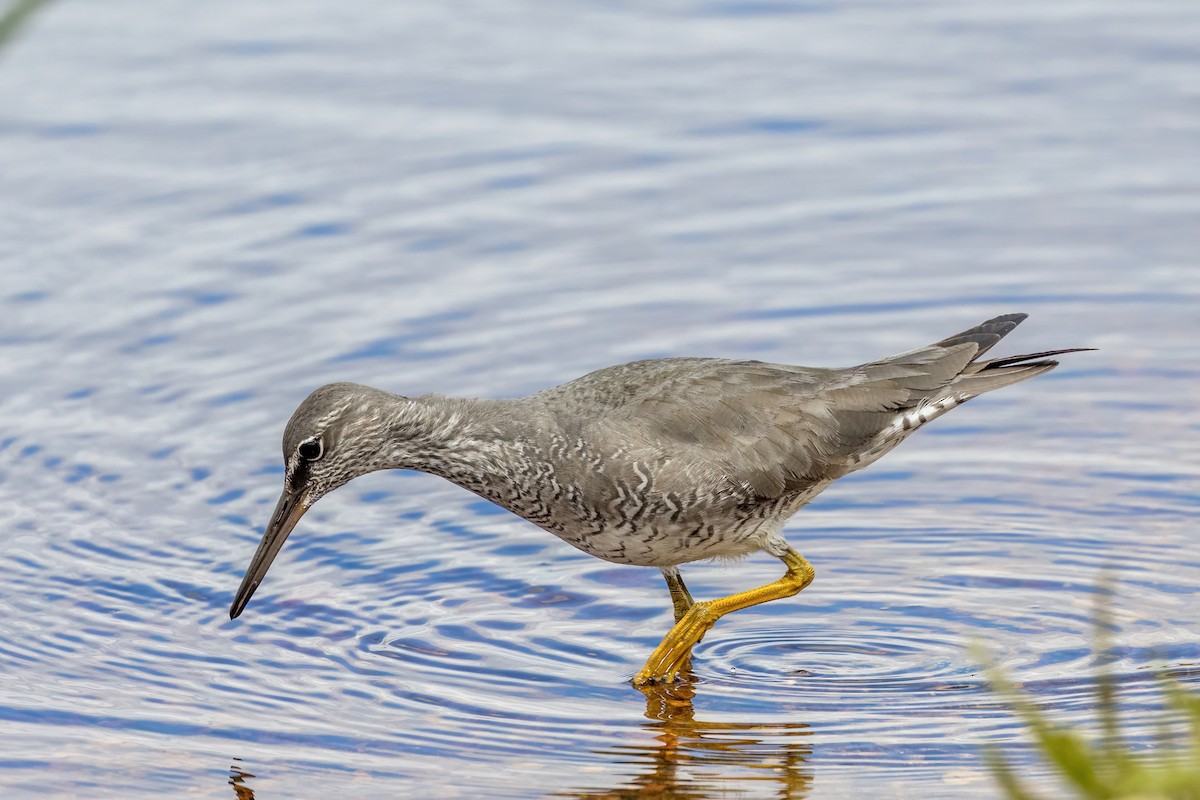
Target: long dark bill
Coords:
[[288, 512]]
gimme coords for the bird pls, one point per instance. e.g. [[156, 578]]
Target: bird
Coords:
[[653, 463]]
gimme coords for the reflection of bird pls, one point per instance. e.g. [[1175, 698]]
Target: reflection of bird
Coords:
[[689, 759], [237, 779], [654, 463]]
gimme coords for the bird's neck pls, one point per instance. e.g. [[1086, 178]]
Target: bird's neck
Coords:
[[461, 439]]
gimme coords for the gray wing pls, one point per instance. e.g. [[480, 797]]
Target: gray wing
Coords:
[[773, 430]]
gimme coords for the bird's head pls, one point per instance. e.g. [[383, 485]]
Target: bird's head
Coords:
[[338, 433]]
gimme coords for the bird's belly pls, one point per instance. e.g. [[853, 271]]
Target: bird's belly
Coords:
[[664, 544], [632, 523]]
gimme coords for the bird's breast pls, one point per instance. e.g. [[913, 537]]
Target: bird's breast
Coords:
[[624, 509], [627, 518]]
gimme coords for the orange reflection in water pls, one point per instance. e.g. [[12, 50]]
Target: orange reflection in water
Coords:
[[693, 760]]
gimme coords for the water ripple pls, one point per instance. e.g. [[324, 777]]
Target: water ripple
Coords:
[[429, 201]]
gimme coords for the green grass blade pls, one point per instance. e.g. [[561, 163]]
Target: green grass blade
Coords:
[[1006, 776], [1108, 768], [16, 16]]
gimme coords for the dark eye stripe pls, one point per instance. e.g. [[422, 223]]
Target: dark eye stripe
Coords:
[[310, 450]]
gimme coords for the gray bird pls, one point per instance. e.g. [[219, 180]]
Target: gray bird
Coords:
[[653, 463]]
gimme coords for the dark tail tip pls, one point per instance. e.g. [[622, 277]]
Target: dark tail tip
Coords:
[[986, 334], [1027, 359]]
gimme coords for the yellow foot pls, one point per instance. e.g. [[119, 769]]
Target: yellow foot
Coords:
[[672, 658], [672, 655]]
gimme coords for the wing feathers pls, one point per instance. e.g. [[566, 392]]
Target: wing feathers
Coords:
[[776, 430]]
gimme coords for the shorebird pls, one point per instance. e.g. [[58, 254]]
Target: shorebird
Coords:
[[653, 463]]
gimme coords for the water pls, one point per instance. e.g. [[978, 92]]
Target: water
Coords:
[[208, 210]]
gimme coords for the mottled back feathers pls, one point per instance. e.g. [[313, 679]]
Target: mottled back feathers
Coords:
[[775, 429]]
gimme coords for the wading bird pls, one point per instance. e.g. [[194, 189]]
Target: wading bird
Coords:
[[654, 463]]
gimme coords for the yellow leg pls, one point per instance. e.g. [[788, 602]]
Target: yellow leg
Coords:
[[681, 598], [673, 652], [681, 601]]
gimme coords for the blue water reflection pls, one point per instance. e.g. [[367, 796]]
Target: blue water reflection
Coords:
[[200, 223]]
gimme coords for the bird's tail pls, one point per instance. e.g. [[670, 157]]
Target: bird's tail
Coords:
[[921, 385], [978, 377]]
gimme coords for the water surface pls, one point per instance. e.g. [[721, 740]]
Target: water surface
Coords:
[[206, 211]]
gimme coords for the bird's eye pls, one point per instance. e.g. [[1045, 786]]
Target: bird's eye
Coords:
[[310, 450]]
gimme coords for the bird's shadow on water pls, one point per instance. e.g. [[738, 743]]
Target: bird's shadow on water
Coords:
[[695, 759]]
